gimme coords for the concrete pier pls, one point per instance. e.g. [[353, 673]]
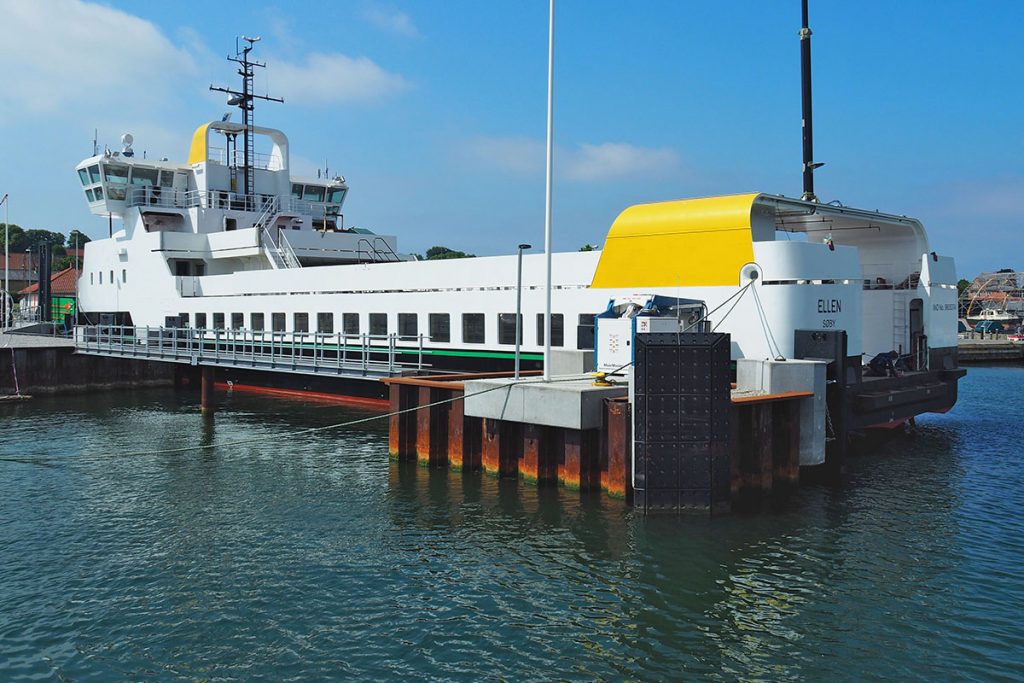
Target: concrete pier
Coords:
[[453, 423], [997, 350]]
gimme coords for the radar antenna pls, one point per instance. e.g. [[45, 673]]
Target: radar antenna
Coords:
[[244, 100]]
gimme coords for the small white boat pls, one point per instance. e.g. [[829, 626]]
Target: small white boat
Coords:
[[995, 315]]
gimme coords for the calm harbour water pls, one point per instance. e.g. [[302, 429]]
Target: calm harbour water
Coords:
[[314, 557]]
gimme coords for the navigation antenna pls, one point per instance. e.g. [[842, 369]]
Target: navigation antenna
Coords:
[[244, 100], [805, 96]]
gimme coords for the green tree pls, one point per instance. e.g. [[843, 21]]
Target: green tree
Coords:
[[588, 247], [16, 234], [442, 253], [81, 237], [62, 262], [38, 236], [962, 286]]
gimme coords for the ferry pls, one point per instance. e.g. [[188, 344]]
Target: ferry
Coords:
[[231, 240]]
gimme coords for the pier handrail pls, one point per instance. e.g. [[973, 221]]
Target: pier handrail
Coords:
[[306, 352]]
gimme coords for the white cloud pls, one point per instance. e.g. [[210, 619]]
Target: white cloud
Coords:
[[612, 160], [993, 198], [334, 78], [584, 163], [391, 19], [518, 155], [71, 53]]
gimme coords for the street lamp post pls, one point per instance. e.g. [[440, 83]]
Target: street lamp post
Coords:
[[7, 260], [28, 253], [519, 304]]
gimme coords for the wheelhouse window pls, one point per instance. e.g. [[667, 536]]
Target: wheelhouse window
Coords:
[[218, 321], [297, 191], [166, 178], [335, 195], [89, 195], [473, 328], [408, 327], [277, 321], [325, 323], [144, 176], [557, 329], [378, 323], [83, 175], [256, 322], [94, 174], [350, 323], [313, 193], [201, 321], [507, 328], [440, 327], [183, 319], [301, 322], [237, 321], [98, 193]]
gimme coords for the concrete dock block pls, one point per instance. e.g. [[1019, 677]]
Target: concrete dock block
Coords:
[[571, 362], [775, 377], [570, 405]]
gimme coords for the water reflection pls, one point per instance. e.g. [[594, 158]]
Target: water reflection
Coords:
[[305, 555]]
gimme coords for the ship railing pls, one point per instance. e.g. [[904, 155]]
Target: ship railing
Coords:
[[260, 160], [156, 196], [271, 249], [267, 214], [337, 353], [378, 251], [287, 253], [170, 198], [313, 209]]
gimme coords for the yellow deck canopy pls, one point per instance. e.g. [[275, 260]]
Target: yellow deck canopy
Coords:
[[689, 242]]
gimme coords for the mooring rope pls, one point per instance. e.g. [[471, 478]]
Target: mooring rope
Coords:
[[311, 430], [14, 365], [769, 337], [14, 369]]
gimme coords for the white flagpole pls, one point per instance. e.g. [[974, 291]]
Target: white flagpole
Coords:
[[7, 260], [547, 193]]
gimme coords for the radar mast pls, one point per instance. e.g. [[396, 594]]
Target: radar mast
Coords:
[[244, 100]]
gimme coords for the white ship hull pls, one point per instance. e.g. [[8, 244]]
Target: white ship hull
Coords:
[[195, 253]]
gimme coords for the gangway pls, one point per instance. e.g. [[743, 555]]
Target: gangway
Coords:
[[322, 354]]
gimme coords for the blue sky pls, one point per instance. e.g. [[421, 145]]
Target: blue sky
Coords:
[[434, 111]]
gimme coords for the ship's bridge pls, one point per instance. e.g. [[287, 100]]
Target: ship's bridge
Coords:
[[109, 180], [215, 177]]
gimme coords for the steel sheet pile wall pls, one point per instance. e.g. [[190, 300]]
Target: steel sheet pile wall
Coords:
[[436, 432], [682, 422], [58, 370]]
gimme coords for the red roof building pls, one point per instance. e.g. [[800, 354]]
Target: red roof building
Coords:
[[63, 283]]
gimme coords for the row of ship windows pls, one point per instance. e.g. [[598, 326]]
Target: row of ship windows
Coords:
[[93, 276], [438, 324]]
